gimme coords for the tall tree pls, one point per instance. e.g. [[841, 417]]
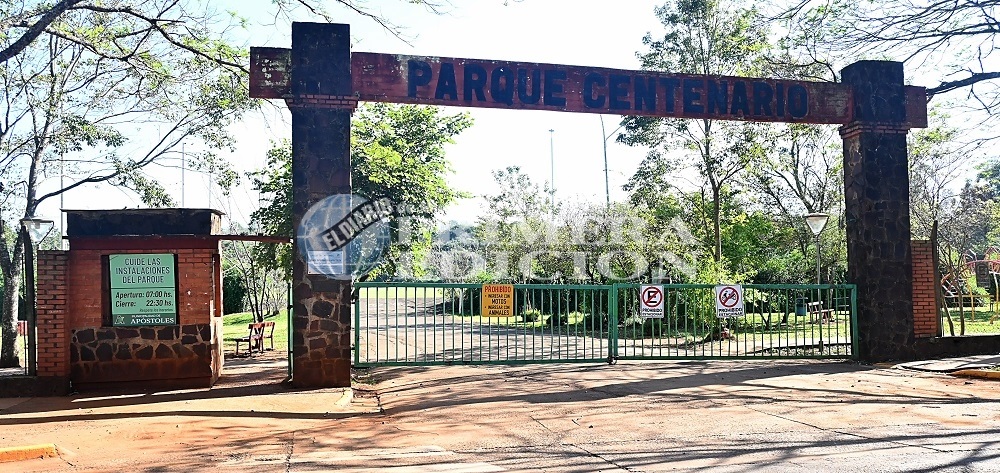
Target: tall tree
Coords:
[[83, 78], [397, 151], [520, 219], [711, 37], [72, 114], [801, 174], [938, 160], [951, 40]]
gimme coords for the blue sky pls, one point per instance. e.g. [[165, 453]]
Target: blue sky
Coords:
[[581, 32], [587, 33]]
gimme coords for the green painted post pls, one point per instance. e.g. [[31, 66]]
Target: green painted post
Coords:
[[357, 327], [855, 340], [613, 324]]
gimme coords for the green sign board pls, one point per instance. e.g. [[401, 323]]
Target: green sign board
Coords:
[[143, 289]]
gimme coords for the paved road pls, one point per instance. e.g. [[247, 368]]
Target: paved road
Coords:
[[785, 416]]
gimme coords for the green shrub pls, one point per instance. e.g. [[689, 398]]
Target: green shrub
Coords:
[[234, 294]]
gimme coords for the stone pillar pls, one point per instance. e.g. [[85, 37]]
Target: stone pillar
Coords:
[[321, 166], [877, 210]]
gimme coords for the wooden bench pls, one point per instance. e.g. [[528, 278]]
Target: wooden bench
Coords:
[[818, 313], [267, 334], [254, 339]]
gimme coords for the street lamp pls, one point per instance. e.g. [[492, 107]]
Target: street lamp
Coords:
[[35, 230], [552, 164], [816, 222], [552, 161], [607, 188]]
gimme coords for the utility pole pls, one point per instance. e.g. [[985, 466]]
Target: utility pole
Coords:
[[552, 162], [183, 165], [607, 187]]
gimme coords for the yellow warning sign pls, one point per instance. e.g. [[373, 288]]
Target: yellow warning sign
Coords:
[[498, 300]]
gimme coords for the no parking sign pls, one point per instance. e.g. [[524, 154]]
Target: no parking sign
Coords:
[[729, 301], [651, 302]]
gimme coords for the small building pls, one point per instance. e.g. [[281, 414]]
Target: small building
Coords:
[[135, 302]]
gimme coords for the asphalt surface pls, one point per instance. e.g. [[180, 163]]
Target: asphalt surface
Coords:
[[784, 416]]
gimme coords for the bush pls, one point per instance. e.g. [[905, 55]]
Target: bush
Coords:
[[234, 294], [557, 320], [595, 321], [531, 315]]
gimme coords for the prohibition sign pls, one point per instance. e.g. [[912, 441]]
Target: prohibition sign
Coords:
[[652, 296], [729, 297]]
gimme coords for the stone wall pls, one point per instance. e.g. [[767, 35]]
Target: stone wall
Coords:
[[178, 356], [182, 354], [321, 166], [877, 210]]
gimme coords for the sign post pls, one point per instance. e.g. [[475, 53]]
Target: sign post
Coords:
[[651, 301]]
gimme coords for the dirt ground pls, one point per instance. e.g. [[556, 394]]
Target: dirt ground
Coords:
[[780, 415]]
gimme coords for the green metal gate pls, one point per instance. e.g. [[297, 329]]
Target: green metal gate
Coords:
[[400, 324]]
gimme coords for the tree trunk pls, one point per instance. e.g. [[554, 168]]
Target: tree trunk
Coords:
[[716, 223], [8, 307]]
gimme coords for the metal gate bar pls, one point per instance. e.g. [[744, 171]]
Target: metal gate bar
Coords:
[[407, 324], [781, 321], [438, 324]]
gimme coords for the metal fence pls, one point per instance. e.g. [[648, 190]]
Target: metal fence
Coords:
[[781, 321], [436, 324]]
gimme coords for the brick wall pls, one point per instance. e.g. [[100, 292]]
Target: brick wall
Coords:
[[196, 285], [925, 312], [53, 331], [188, 354]]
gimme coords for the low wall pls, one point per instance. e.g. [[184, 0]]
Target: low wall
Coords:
[[184, 355], [942, 347]]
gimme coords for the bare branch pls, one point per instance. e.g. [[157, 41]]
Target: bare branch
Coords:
[[36, 29], [974, 77]]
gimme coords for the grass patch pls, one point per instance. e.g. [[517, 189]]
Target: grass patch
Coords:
[[235, 326], [407, 293], [978, 325]]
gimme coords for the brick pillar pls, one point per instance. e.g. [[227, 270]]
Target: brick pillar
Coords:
[[321, 166], [925, 309], [877, 210], [53, 333]]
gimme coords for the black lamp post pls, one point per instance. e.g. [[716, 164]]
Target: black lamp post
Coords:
[[35, 230]]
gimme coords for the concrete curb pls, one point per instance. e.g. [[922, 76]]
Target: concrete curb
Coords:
[[346, 397], [30, 452], [983, 374]]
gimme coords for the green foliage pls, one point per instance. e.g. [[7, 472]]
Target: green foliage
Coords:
[[700, 37], [234, 293], [397, 151], [525, 238], [274, 183], [81, 85], [531, 315]]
